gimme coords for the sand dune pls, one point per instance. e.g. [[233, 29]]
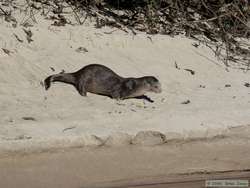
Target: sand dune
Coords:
[[29, 115]]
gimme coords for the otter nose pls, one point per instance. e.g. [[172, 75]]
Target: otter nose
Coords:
[[159, 90]]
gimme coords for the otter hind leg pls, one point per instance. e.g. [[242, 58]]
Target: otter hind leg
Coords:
[[82, 91]]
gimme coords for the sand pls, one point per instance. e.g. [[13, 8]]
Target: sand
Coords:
[[32, 118]]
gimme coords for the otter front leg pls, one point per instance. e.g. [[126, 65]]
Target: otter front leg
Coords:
[[116, 95]]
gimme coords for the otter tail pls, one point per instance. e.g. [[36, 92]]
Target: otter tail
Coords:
[[47, 82], [68, 78]]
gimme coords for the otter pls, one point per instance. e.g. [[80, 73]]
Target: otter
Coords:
[[99, 79]]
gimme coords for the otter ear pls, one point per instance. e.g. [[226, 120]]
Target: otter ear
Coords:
[[130, 84]]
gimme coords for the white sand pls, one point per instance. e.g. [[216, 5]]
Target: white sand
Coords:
[[63, 117]]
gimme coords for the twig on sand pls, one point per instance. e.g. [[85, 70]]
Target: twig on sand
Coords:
[[8, 52], [176, 65], [29, 34], [68, 128], [4, 12], [110, 32], [186, 102], [191, 71], [247, 84], [29, 118], [52, 68], [18, 39]]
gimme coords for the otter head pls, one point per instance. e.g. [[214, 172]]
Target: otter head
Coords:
[[152, 84]]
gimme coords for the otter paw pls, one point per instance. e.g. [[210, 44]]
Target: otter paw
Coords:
[[82, 93]]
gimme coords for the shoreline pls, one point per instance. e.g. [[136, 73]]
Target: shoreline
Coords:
[[116, 140], [127, 166]]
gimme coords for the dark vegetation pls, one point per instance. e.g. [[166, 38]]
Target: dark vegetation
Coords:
[[222, 25]]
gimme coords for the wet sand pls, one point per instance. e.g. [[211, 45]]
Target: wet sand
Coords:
[[176, 164]]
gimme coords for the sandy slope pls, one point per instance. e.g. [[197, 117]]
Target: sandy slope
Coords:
[[62, 116]]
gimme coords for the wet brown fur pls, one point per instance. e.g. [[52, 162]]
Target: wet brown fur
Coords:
[[99, 79]]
